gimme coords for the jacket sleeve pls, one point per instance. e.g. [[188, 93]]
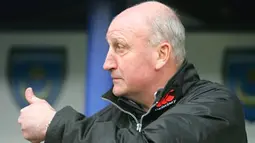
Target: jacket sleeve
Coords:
[[214, 117], [68, 125]]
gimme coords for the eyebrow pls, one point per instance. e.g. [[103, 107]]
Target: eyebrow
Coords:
[[116, 39]]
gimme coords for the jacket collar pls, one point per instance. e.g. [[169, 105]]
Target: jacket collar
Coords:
[[180, 83]]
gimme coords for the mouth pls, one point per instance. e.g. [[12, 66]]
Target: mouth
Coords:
[[115, 79]]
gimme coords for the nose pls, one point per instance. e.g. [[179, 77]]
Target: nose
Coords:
[[110, 62]]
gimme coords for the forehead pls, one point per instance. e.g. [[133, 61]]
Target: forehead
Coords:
[[127, 26]]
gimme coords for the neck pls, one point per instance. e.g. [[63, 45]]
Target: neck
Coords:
[[147, 98]]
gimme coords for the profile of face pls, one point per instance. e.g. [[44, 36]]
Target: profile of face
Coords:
[[131, 61]]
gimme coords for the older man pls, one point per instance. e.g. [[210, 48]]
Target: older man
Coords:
[[157, 95]]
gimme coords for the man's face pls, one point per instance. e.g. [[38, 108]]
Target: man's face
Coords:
[[129, 59]]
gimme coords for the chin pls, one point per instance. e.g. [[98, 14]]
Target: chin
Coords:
[[117, 91]]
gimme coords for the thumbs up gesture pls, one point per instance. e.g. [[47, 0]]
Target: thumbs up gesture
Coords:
[[35, 118]]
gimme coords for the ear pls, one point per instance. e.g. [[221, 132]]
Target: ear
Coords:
[[164, 51]]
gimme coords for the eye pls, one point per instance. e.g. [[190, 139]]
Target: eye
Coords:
[[120, 48]]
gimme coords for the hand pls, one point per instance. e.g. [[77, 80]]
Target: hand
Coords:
[[35, 118]]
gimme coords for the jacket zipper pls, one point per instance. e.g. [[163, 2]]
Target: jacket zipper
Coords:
[[136, 120], [141, 120], [138, 124]]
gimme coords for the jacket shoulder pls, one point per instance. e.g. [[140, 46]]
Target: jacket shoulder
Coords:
[[205, 88]]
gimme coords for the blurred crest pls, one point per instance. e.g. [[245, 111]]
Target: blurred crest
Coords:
[[41, 67], [239, 76]]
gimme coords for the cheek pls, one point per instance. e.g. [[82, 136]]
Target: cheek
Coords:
[[137, 69]]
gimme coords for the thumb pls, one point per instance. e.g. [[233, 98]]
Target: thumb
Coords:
[[30, 97]]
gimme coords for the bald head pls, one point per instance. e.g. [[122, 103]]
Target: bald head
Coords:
[[148, 8], [160, 23], [147, 11]]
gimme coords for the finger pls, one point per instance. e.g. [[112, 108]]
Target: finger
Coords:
[[21, 114], [23, 109], [20, 120], [29, 136], [30, 97]]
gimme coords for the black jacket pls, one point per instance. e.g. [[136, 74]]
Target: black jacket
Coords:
[[187, 110]]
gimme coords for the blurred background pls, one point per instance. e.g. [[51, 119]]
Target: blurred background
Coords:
[[58, 48]]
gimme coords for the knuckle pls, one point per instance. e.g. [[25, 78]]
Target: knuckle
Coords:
[[20, 119], [44, 101], [24, 109]]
